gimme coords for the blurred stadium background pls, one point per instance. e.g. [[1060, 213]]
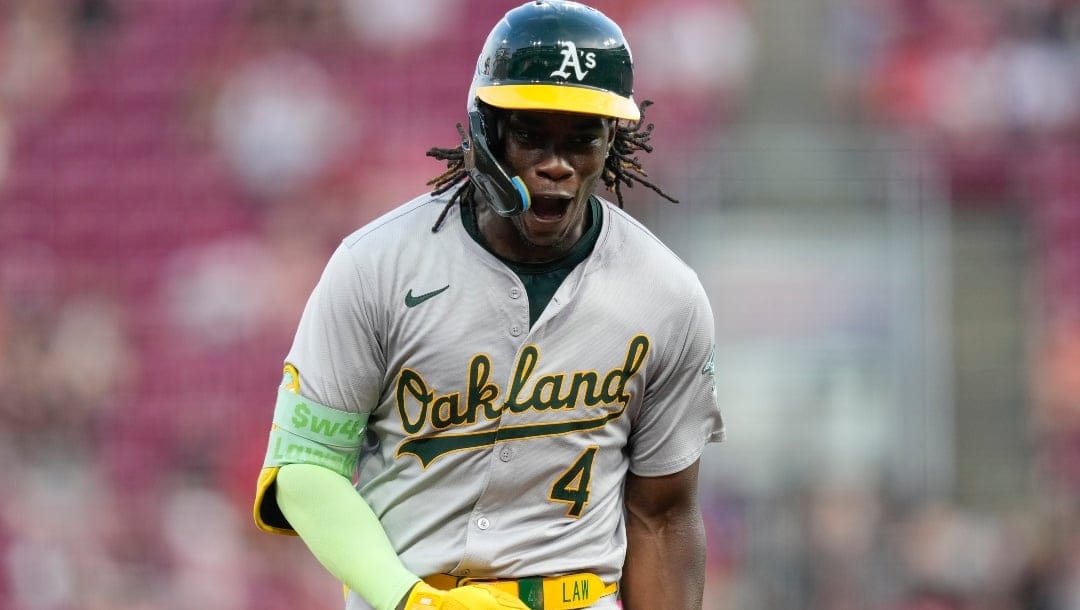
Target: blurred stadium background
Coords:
[[881, 196]]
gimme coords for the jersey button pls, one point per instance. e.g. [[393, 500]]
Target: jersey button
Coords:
[[506, 454], [483, 523], [515, 293], [515, 330]]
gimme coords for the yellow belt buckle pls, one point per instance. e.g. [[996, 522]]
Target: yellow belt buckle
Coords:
[[506, 586]]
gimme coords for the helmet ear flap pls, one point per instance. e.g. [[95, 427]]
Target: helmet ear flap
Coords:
[[493, 130], [493, 123], [495, 120], [506, 194]]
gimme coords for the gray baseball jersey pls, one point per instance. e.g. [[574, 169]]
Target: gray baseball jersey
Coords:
[[496, 449]]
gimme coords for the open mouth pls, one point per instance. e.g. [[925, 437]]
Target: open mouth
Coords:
[[550, 209]]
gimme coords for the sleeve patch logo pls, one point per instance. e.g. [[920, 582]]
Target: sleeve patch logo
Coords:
[[710, 363], [291, 379]]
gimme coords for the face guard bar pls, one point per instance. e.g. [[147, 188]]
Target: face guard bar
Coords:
[[506, 194]]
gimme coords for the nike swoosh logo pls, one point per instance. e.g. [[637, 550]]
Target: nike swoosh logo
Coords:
[[413, 301]]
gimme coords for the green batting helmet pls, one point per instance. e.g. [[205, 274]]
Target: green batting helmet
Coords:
[[543, 56], [556, 55]]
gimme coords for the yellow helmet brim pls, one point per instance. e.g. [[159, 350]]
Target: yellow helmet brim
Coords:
[[560, 98]]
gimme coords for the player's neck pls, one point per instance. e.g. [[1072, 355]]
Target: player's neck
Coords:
[[505, 238]]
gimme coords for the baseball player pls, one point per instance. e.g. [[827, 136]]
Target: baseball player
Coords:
[[499, 392]]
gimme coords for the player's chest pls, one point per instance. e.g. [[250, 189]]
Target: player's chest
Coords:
[[447, 314], [479, 361], [474, 398]]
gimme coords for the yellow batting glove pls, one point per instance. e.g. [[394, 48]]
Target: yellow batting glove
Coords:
[[469, 597], [424, 597]]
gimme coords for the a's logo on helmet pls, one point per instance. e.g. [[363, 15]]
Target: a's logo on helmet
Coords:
[[571, 59]]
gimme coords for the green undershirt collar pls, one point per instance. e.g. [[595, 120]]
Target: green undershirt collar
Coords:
[[541, 280]]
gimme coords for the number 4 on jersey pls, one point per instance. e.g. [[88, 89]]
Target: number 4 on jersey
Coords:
[[573, 486]]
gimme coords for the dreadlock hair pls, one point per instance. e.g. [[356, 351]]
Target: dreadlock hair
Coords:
[[621, 167]]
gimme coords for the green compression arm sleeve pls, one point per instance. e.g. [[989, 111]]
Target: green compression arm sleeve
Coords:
[[343, 533]]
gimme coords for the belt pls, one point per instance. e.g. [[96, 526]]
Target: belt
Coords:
[[567, 592]]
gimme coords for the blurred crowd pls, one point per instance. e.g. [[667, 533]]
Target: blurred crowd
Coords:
[[174, 174]]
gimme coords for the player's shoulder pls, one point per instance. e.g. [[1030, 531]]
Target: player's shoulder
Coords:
[[629, 249], [409, 220], [398, 239], [634, 244]]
